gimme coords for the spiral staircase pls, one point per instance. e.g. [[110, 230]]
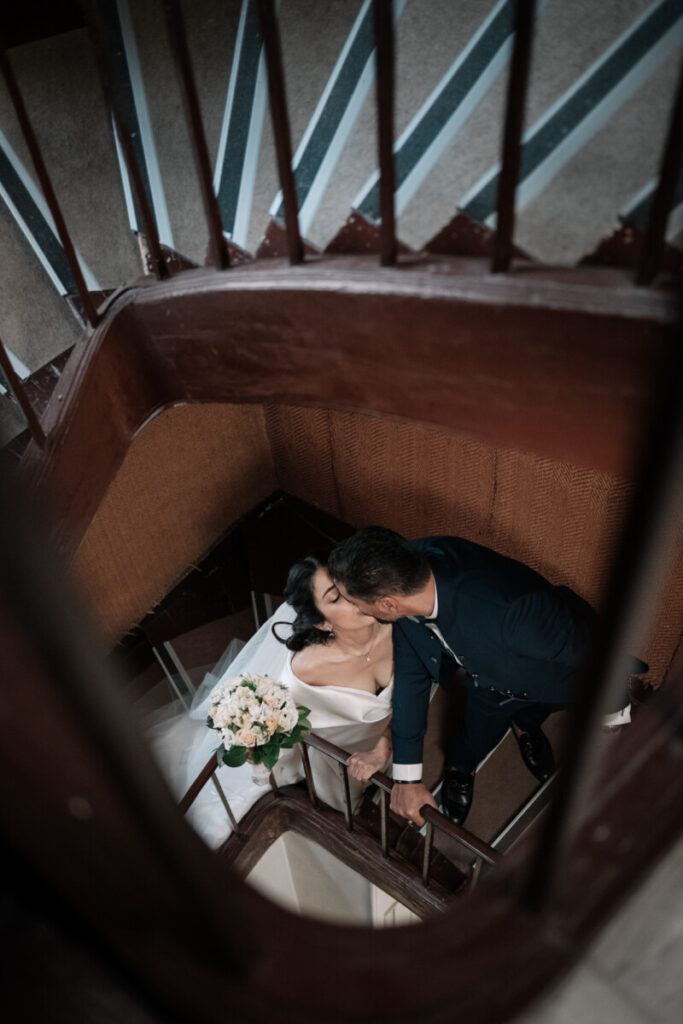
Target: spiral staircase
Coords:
[[422, 392]]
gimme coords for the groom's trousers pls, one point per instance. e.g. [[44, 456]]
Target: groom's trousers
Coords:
[[488, 716]]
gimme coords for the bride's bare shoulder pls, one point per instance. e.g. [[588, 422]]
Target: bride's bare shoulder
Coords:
[[307, 663]]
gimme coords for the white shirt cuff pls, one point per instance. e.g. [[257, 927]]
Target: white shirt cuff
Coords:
[[407, 772], [622, 717]]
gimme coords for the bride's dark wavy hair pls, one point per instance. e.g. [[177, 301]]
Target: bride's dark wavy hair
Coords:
[[299, 593]]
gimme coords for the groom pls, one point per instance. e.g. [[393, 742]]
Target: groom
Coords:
[[520, 640]]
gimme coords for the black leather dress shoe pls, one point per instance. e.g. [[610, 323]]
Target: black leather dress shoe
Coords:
[[456, 795], [537, 753]]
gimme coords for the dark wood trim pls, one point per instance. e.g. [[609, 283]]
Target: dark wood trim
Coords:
[[290, 810], [623, 247], [463, 236], [558, 362]]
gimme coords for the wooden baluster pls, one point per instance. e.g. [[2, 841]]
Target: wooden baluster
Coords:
[[655, 233], [226, 805], [280, 118], [384, 45], [347, 798], [383, 821], [37, 432], [427, 856], [309, 774], [152, 235], [181, 56], [512, 135], [46, 186], [476, 873]]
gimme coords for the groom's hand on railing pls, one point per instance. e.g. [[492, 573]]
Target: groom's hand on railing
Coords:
[[408, 797]]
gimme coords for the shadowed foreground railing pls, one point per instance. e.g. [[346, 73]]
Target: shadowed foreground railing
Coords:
[[483, 853]]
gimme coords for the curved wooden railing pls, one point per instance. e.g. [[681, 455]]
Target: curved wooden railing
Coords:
[[479, 851], [254, 335]]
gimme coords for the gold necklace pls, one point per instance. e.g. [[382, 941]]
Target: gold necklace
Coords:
[[362, 654]]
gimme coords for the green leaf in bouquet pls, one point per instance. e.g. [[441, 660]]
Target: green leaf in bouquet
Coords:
[[209, 721], [303, 712], [235, 757], [269, 754], [297, 733]]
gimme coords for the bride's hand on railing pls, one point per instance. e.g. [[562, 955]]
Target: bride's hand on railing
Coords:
[[363, 764]]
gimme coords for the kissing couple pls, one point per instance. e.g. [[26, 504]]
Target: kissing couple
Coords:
[[363, 636]]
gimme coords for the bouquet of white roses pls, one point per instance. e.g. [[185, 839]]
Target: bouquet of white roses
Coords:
[[256, 717]]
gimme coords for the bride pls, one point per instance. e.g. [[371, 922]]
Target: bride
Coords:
[[336, 661]]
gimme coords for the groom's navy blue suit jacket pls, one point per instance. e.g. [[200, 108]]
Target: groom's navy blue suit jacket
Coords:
[[513, 632]]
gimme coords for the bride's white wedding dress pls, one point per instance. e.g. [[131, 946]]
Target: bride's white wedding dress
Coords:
[[351, 719]]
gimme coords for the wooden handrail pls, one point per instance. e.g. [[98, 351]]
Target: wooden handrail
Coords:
[[435, 818], [461, 835], [581, 400], [273, 816]]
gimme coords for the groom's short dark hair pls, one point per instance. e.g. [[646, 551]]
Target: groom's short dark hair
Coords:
[[376, 561]]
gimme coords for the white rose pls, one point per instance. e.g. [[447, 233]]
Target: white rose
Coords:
[[221, 716]]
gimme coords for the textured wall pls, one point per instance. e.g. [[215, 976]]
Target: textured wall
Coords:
[[195, 469], [190, 473], [560, 519]]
